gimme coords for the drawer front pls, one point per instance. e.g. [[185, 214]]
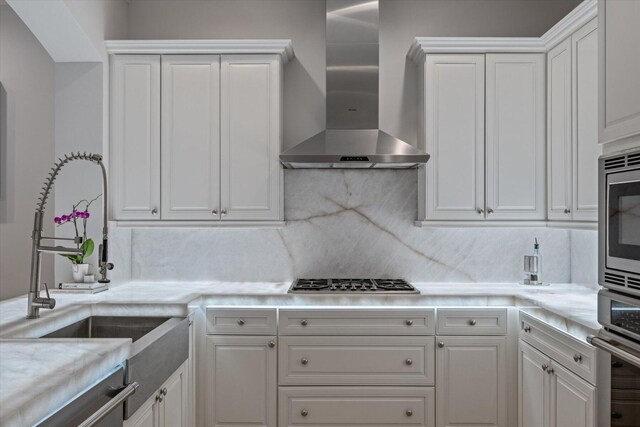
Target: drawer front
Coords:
[[483, 321], [339, 360], [241, 321], [576, 355], [356, 406], [389, 321]]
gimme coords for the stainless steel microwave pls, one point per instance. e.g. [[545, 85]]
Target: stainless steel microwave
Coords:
[[619, 222]]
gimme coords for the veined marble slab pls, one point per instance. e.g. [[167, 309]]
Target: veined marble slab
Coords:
[[37, 377]]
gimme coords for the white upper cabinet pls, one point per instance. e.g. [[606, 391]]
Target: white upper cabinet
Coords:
[[559, 149], [135, 137], [585, 146], [454, 126], [251, 102], [619, 68], [515, 136], [572, 114], [190, 137]]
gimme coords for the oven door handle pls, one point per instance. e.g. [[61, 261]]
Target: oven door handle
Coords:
[[111, 405], [615, 348]]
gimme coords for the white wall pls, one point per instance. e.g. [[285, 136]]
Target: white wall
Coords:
[[26, 148], [303, 21]]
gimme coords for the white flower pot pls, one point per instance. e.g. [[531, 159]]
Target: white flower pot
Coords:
[[79, 271]]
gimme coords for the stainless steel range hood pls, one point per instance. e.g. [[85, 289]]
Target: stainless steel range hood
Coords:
[[353, 138]]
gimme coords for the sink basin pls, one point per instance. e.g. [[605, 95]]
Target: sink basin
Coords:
[[109, 327]]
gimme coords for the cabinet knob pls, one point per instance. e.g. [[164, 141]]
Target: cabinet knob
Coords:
[[544, 366], [480, 211], [490, 211], [304, 361], [304, 412], [472, 322], [550, 371], [408, 322], [241, 322], [409, 412], [223, 212], [304, 322], [440, 344], [163, 391], [567, 211], [527, 329], [271, 344], [408, 362], [577, 358], [154, 211], [215, 211]]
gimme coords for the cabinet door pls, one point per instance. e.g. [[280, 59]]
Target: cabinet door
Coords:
[[175, 405], [251, 137], [533, 386], [147, 416], [190, 137], [619, 68], [471, 378], [559, 173], [572, 399], [241, 381], [454, 108], [585, 118], [515, 137], [135, 137]]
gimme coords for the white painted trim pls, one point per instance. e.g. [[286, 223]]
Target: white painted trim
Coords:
[[576, 225], [282, 47], [198, 224], [579, 16]]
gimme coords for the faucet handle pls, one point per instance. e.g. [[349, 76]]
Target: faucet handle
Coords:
[[46, 290]]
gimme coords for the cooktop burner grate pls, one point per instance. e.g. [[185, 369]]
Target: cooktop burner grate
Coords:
[[328, 286]]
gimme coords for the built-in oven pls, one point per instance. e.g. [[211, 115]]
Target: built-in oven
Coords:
[[619, 222], [618, 360]]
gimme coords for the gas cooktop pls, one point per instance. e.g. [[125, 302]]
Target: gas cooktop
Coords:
[[333, 286]]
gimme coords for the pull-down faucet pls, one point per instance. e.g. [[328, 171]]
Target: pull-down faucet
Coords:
[[36, 302]]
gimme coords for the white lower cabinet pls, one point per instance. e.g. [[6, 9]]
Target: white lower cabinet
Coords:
[[241, 380], [551, 395], [356, 406], [169, 406], [471, 381]]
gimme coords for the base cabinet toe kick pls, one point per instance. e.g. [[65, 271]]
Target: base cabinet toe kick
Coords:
[[290, 367]]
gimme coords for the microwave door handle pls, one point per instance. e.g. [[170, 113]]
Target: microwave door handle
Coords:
[[110, 406], [617, 350]]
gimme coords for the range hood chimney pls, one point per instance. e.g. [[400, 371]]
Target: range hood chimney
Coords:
[[352, 138]]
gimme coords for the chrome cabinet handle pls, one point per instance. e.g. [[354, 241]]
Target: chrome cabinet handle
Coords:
[[215, 211], [472, 322], [271, 344], [577, 358], [223, 212], [409, 412], [490, 211], [408, 362], [440, 344], [527, 329], [304, 412], [304, 361], [304, 322], [241, 322], [164, 391], [567, 211], [408, 322], [545, 367], [110, 405], [550, 371], [480, 211], [154, 211]]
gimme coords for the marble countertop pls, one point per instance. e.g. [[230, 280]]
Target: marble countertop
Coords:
[[571, 308]]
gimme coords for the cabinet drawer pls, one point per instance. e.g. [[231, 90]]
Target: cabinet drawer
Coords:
[[389, 321], [462, 321], [356, 406], [336, 360], [241, 321], [574, 354]]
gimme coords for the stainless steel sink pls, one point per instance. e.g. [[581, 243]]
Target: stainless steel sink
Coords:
[[109, 327], [160, 345]]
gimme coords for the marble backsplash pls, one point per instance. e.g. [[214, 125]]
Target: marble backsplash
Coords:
[[348, 223]]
